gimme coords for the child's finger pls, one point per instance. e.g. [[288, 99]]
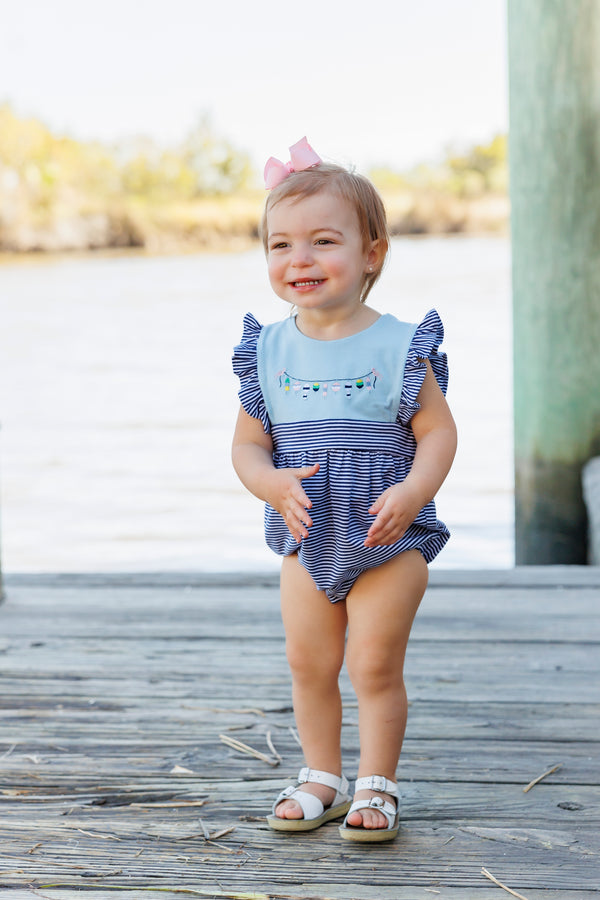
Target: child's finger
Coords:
[[304, 517], [384, 530], [299, 532], [306, 471], [385, 539], [380, 522], [302, 500], [377, 506], [298, 522]]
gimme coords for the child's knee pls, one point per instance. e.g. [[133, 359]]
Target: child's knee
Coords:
[[374, 670], [309, 664]]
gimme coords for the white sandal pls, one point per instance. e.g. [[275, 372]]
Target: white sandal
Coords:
[[383, 785], [315, 813]]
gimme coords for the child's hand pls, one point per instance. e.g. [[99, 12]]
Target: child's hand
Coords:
[[395, 509], [287, 496]]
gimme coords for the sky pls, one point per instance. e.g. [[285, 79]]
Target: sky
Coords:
[[388, 82]]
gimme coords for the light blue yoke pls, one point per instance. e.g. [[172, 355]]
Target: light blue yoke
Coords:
[[358, 377]]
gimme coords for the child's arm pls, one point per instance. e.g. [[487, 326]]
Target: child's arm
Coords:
[[435, 433], [252, 456]]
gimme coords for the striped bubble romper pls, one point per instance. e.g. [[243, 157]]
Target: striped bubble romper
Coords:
[[347, 405]]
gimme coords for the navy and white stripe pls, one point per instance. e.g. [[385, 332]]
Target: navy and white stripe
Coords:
[[349, 480], [343, 434], [245, 367]]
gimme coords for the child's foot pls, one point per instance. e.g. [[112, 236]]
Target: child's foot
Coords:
[[370, 818], [373, 815], [318, 798], [291, 809]]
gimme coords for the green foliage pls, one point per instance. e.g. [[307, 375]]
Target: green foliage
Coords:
[[217, 168], [386, 179], [203, 165], [56, 191], [47, 170], [479, 170]]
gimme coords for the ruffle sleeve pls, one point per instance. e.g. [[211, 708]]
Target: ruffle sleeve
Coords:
[[424, 346], [245, 366]]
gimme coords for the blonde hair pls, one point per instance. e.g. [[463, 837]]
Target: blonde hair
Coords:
[[349, 186]]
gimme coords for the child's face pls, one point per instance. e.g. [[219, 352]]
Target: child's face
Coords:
[[315, 252]]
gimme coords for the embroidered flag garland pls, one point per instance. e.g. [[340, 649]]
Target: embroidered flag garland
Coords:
[[293, 385]]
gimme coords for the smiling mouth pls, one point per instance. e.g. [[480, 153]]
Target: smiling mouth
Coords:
[[307, 283]]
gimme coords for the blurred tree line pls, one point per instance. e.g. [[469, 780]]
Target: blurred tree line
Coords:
[[465, 192], [204, 164], [470, 173], [60, 193]]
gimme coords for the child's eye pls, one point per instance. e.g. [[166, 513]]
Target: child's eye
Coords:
[[324, 241], [279, 245]]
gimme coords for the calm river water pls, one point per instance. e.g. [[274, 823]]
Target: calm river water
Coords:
[[117, 403]]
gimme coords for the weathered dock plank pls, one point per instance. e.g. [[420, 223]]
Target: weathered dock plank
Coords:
[[114, 692], [296, 892], [440, 670]]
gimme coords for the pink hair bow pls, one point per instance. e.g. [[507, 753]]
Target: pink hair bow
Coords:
[[302, 156]]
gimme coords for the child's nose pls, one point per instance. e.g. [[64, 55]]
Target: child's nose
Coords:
[[302, 256]]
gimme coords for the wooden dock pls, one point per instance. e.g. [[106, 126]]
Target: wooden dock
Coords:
[[120, 697]]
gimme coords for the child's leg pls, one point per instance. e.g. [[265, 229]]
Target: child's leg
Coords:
[[381, 607], [315, 631]]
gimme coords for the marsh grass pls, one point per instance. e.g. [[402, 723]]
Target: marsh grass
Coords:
[[58, 194]]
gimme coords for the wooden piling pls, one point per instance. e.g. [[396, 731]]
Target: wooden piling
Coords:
[[554, 65]]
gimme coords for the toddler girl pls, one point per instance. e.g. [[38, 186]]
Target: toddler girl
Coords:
[[344, 431]]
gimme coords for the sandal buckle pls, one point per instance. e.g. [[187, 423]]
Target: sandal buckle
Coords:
[[288, 791], [378, 783], [377, 802], [304, 775]]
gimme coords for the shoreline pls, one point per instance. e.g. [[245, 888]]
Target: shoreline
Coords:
[[231, 225], [43, 257]]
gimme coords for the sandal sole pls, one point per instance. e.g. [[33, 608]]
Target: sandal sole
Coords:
[[335, 812], [369, 835]]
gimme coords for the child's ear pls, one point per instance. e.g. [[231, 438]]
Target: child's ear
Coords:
[[374, 255]]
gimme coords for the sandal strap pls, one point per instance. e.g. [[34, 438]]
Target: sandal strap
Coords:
[[310, 805], [339, 783], [389, 811], [378, 783]]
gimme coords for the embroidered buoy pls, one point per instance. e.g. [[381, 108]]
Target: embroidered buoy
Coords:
[[289, 382]]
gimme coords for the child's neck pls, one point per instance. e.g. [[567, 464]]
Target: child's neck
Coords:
[[331, 325]]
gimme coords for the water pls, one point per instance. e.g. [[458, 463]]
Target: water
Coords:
[[117, 403]]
